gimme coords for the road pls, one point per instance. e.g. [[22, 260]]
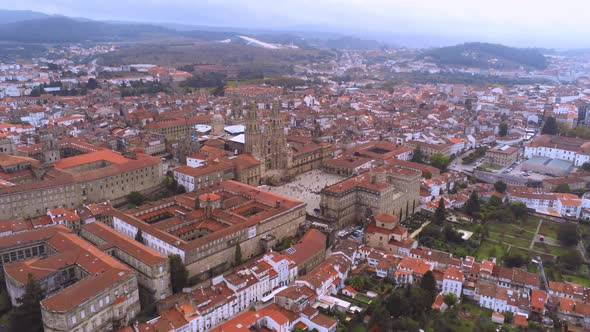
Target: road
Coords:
[[456, 164]]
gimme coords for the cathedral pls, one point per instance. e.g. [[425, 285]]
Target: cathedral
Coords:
[[281, 157], [267, 142]]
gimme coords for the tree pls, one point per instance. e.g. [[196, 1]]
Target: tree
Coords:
[[500, 187], [571, 260], [495, 201], [178, 273], [514, 260], [27, 316], [567, 234], [428, 283], [509, 317], [418, 156], [549, 127], [139, 236], [562, 188], [180, 189], [451, 235], [357, 282], [92, 84], [585, 167], [440, 212], [472, 205], [519, 210], [218, 90], [439, 161], [503, 130], [238, 255], [135, 198], [450, 299]]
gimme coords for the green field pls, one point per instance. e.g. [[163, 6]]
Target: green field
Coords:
[[526, 230], [576, 279], [490, 249], [359, 328], [519, 242], [548, 249], [510, 240], [549, 229], [363, 298]]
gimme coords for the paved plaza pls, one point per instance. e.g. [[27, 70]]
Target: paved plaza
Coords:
[[306, 187]]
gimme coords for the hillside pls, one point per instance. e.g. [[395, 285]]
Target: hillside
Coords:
[[483, 55], [11, 16], [66, 30]]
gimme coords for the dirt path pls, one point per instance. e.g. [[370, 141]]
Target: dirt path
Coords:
[[416, 232], [519, 247], [536, 234]]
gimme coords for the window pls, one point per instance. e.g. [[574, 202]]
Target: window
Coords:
[[82, 314], [74, 319]]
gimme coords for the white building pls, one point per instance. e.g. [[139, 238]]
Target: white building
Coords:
[[453, 282]]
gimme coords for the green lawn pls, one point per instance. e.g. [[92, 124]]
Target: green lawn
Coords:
[[363, 298], [490, 249], [525, 230], [549, 229], [510, 240], [576, 279], [521, 252], [584, 229], [530, 224], [553, 250], [360, 327]]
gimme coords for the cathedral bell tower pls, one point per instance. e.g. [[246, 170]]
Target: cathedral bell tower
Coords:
[[278, 140]]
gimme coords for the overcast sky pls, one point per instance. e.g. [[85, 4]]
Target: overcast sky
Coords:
[[547, 23]]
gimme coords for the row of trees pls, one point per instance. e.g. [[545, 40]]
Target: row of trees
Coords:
[[552, 127], [79, 89]]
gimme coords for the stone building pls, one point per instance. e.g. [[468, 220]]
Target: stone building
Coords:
[[502, 156], [152, 268], [309, 252], [29, 188], [86, 290], [177, 128], [428, 149], [243, 168], [387, 189], [204, 227], [281, 156], [384, 232]]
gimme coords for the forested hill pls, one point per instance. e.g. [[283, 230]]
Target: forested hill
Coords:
[[484, 55], [62, 29]]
